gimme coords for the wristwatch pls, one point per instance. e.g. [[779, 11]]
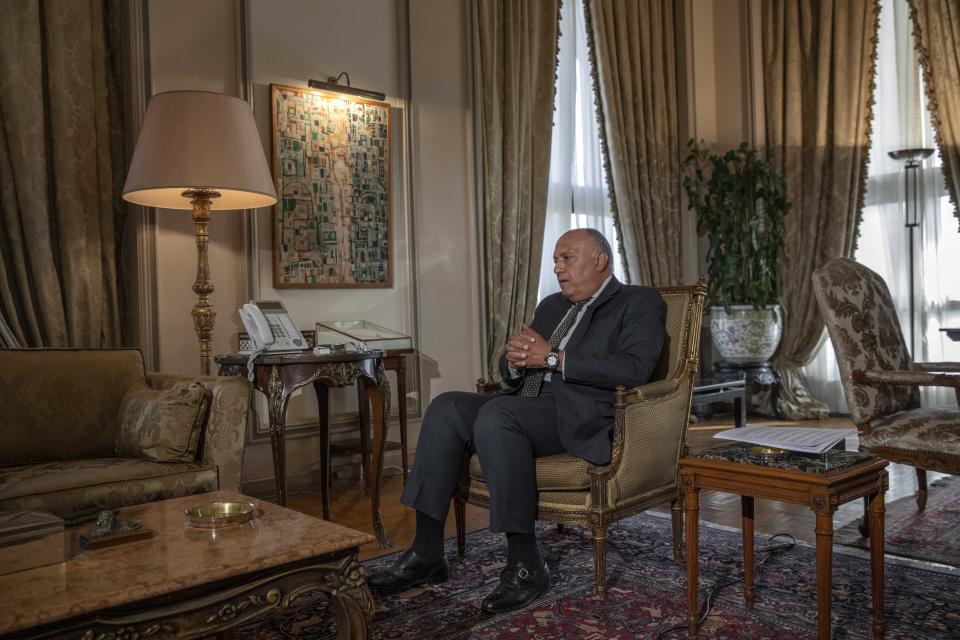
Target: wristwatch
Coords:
[[552, 360]]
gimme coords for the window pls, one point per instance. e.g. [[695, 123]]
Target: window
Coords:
[[577, 195], [902, 121]]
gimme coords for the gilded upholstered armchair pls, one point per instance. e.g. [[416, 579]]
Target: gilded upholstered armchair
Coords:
[[649, 437], [880, 382]]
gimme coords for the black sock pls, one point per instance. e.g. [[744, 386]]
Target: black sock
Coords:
[[523, 546], [428, 543]]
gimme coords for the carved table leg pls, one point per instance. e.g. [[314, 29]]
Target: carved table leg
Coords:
[[824, 533], [364, 405], [352, 622], [876, 561], [278, 396], [352, 603], [922, 486], [676, 517], [746, 506], [691, 505], [864, 526], [740, 410], [323, 405], [379, 396], [402, 405]]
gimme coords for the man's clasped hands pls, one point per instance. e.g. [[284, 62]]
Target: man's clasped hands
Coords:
[[527, 349]]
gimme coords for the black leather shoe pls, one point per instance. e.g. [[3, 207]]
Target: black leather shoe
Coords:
[[410, 570], [520, 584]]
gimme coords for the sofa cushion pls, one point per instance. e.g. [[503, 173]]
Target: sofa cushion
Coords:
[[77, 489], [61, 404], [162, 425]]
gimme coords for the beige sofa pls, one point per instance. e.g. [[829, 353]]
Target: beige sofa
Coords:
[[58, 426]]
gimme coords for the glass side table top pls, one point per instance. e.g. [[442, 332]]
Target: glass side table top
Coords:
[[714, 380], [827, 462], [373, 335]]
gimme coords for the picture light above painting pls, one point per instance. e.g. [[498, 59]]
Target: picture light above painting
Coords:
[[331, 167]]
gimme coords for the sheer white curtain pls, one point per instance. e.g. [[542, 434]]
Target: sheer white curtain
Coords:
[[901, 121], [577, 196]]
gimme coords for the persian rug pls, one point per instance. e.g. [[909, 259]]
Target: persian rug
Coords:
[[930, 534], [646, 593]]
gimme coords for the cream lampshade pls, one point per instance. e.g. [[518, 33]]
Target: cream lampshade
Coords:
[[199, 151]]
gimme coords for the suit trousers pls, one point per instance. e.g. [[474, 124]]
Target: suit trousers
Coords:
[[507, 433]]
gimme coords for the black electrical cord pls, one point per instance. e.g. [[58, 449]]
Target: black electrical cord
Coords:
[[769, 549]]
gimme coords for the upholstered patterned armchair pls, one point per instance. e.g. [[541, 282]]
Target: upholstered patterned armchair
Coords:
[[880, 382], [649, 437]]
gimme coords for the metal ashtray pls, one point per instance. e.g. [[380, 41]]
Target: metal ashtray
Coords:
[[766, 452], [220, 514]]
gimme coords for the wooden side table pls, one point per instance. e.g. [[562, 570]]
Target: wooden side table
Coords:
[[821, 482], [395, 360], [279, 375]]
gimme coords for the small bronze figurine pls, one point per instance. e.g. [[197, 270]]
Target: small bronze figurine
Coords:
[[110, 530], [108, 526]]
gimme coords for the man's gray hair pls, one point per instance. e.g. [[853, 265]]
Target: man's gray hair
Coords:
[[602, 245]]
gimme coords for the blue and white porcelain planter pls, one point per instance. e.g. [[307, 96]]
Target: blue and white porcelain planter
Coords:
[[745, 335]]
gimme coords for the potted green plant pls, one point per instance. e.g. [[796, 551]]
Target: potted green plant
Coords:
[[740, 203]]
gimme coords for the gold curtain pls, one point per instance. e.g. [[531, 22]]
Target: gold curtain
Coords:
[[818, 59], [936, 30], [634, 54], [61, 157], [515, 50]]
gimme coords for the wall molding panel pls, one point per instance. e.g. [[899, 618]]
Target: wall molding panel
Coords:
[[140, 234]]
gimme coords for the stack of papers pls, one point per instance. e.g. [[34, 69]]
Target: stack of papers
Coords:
[[802, 439]]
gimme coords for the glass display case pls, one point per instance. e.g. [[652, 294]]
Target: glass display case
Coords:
[[372, 335]]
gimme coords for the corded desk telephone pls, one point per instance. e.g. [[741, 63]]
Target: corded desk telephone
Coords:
[[270, 327]]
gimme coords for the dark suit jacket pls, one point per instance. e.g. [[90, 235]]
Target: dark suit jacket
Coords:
[[617, 341]]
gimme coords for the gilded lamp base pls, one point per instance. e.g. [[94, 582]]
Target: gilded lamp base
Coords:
[[204, 315]]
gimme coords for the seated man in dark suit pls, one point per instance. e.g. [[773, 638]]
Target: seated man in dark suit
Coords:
[[601, 334]]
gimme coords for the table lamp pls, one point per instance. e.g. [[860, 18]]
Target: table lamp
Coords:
[[199, 151]]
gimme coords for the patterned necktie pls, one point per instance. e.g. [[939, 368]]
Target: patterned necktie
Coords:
[[533, 380]]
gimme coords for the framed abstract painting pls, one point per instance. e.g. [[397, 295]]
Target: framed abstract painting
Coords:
[[331, 166]]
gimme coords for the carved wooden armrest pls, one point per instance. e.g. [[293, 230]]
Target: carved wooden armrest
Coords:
[[650, 390], [936, 366], [907, 378], [644, 398], [599, 469]]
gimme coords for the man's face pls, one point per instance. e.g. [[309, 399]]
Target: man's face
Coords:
[[579, 267]]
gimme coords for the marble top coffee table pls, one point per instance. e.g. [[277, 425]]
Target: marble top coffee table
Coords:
[[188, 582]]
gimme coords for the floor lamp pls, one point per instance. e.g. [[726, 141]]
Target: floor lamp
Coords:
[[199, 151], [913, 208]]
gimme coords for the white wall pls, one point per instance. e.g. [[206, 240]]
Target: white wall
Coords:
[[721, 57], [197, 54], [444, 196], [719, 70], [435, 294]]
